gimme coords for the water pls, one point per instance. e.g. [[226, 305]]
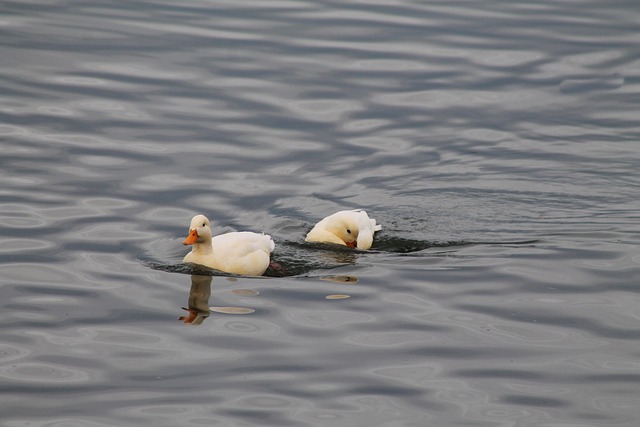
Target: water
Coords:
[[496, 142]]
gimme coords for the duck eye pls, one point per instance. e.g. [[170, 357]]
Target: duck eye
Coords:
[[204, 224], [348, 231]]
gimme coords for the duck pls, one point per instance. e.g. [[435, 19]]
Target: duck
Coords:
[[352, 228], [241, 252]]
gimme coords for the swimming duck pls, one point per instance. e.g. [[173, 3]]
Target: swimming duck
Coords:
[[243, 252], [349, 228]]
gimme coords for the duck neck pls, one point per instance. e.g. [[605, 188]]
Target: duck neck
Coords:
[[204, 248]]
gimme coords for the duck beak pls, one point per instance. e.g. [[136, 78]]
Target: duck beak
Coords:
[[190, 317], [352, 244], [192, 238]]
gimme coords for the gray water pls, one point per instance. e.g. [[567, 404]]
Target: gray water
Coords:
[[496, 142]]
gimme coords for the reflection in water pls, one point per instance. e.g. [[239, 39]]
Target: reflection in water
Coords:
[[198, 308], [245, 292], [348, 280], [198, 305], [340, 279], [338, 296], [199, 295], [233, 310]]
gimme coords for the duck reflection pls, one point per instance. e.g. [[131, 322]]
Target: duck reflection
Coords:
[[198, 305], [352, 280]]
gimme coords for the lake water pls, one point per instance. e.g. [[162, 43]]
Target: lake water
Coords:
[[497, 142]]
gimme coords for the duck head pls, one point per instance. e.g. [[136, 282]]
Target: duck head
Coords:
[[344, 227], [355, 228], [199, 230]]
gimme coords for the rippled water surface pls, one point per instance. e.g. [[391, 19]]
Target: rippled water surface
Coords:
[[496, 142]]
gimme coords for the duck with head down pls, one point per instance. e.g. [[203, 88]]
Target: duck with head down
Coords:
[[348, 228], [243, 252]]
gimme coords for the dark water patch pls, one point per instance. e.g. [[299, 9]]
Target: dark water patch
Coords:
[[404, 392], [303, 258], [404, 245], [536, 401], [500, 373], [586, 84], [277, 368], [183, 268], [615, 378]]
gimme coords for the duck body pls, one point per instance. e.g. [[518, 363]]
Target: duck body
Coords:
[[351, 228], [242, 252]]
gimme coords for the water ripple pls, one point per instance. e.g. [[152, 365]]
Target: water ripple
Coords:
[[497, 145], [43, 373]]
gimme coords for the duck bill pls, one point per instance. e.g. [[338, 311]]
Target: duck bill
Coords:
[[190, 317], [192, 238]]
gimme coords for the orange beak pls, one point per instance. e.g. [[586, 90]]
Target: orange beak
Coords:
[[352, 244], [192, 238], [190, 317]]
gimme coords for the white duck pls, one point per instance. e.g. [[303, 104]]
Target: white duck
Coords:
[[241, 252], [350, 228]]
